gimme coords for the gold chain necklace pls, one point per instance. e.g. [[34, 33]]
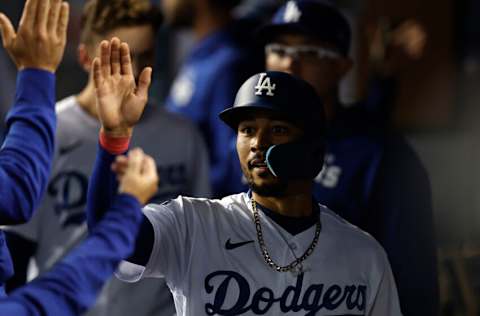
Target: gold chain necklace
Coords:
[[295, 264]]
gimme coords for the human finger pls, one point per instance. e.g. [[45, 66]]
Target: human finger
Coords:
[[149, 170], [144, 83], [135, 157], [53, 15], [42, 16], [6, 30], [27, 20], [125, 59], [121, 159], [119, 169], [115, 55], [105, 58], [97, 73], [62, 24], [120, 162], [119, 166]]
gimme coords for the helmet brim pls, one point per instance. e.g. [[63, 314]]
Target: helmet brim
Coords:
[[233, 116]]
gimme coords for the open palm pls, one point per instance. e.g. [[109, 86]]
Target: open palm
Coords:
[[120, 102]]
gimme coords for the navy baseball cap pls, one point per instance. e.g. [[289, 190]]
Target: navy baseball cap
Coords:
[[279, 93], [314, 18]]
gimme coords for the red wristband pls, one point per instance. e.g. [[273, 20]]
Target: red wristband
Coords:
[[114, 145]]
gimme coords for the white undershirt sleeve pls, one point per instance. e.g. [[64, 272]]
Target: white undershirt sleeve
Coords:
[[171, 246]]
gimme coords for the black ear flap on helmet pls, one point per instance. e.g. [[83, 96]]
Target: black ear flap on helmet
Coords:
[[296, 160]]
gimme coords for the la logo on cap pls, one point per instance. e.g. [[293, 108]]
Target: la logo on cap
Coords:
[[292, 13], [264, 84]]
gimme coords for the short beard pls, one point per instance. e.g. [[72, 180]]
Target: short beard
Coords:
[[278, 189]]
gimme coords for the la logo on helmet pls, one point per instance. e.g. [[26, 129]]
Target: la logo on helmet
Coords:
[[264, 84], [292, 13]]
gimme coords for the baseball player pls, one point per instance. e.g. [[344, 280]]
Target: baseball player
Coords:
[[26, 154], [221, 59], [183, 165], [71, 286], [273, 250], [372, 177]]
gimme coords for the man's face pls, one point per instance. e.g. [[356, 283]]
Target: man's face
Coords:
[[322, 72], [141, 40], [255, 135], [178, 13]]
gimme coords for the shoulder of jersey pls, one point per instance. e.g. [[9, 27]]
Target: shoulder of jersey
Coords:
[[68, 123], [65, 105], [344, 228], [227, 202], [69, 111]]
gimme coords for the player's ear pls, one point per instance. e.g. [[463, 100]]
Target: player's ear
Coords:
[[83, 57]]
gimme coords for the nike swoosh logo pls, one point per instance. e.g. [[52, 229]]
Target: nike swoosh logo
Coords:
[[230, 246]]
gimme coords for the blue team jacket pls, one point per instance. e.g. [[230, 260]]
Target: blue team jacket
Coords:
[[373, 178], [26, 154]]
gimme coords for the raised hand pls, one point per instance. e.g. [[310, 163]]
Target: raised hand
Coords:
[[138, 175], [41, 37], [412, 37], [120, 102]]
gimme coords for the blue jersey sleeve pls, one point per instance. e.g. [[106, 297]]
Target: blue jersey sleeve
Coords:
[[102, 188], [27, 152], [402, 221], [72, 285]]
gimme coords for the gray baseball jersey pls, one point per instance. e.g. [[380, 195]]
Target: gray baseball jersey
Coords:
[[59, 224], [209, 254]]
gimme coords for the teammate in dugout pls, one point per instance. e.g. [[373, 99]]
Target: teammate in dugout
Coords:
[[372, 177], [273, 250], [26, 154]]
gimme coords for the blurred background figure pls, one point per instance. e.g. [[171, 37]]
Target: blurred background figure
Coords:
[[175, 144], [221, 58]]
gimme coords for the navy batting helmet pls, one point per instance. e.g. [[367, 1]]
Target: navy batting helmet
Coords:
[[281, 93], [296, 101]]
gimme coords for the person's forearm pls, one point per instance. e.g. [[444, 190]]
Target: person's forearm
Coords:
[[27, 152], [102, 187], [72, 285]]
